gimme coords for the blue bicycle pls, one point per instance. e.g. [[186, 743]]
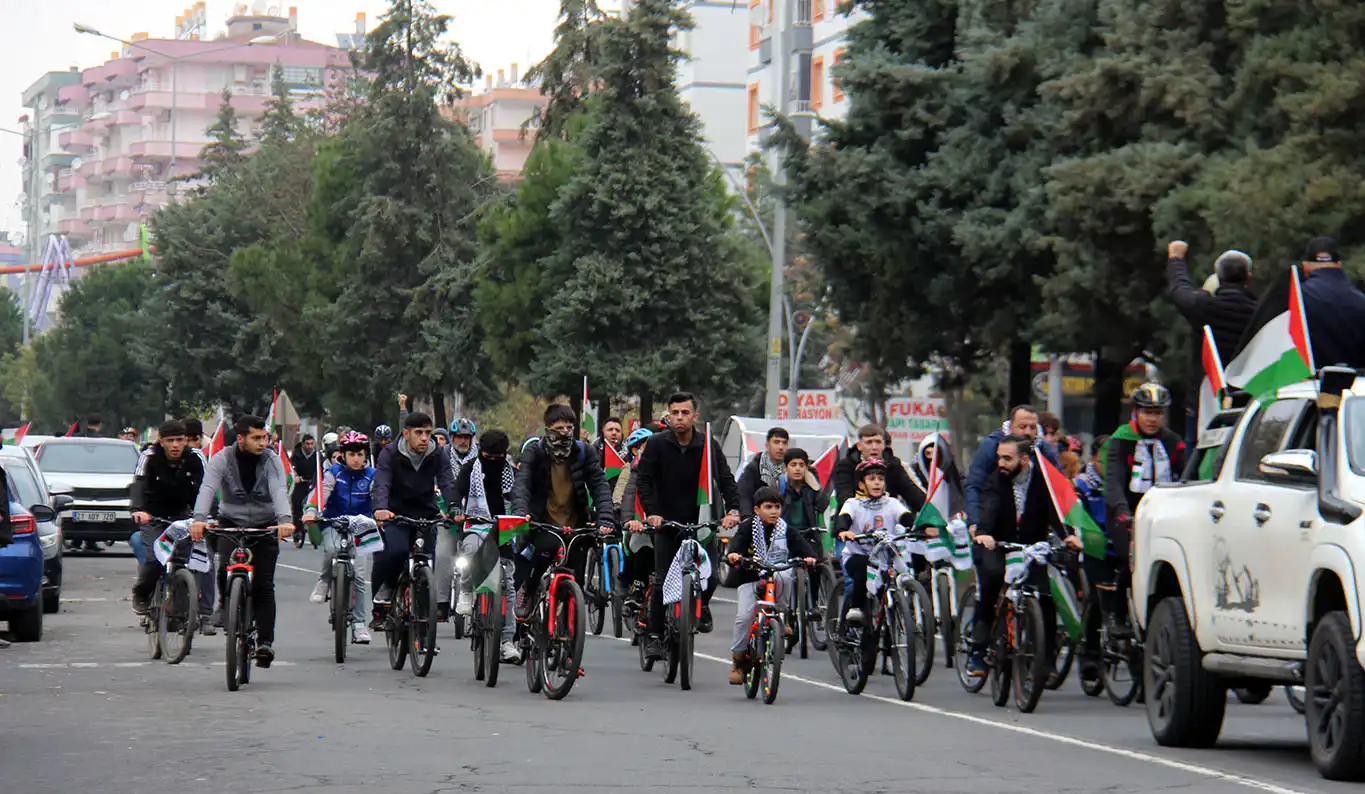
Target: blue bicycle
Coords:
[[602, 585]]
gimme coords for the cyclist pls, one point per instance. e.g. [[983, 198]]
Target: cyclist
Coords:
[[1016, 484], [556, 478], [442, 437], [669, 474], [407, 476], [875, 511], [1141, 454], [346, 492], [247, 481], [640, 559], [304, 463], [166, 483], [464, 447], [383, 436], [484, 488], [764, 536], [763, 469], [613, 434]]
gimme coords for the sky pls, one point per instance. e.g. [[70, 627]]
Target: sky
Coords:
[[38, 38]]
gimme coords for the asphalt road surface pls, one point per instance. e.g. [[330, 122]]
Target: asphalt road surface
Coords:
[[86, 711]]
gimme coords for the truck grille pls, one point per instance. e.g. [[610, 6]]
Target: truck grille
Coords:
[[99, 493]]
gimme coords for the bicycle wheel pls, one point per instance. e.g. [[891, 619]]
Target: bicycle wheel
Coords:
[[235, 628], [1122, 671], [422, 622], [947, 631], [595, 592], [1092, 686], [341, 611], [966, 613], [900, 625], [687, 632], [771, 661], [792, 615], [1064, 655], [646, 663], [1002, 667], [299, 536], [1030, 649], [800, 614], [821, 586], [476, 645], [1294, 694], [758, 647], [396, 632], [562, 659], [491, 641], [535, 651], [618, 592], [152, 620], [922, 613], [178, 617]]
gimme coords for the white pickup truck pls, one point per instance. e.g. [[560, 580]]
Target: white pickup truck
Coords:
[[1249, 573]]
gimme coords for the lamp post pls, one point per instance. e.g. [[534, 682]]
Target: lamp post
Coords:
[[30, 218]]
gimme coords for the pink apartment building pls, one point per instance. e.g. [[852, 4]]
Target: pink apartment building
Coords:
[[110, 138], [496, 116]]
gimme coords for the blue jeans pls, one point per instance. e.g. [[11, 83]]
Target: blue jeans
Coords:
[[139, 548]]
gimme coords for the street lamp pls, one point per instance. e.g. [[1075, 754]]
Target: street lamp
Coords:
[[174, 61]]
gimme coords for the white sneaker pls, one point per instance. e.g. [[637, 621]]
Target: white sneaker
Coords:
[[854, 617], [362, 635], [320, 592], [383, 596], [465, 604], [510, 652]]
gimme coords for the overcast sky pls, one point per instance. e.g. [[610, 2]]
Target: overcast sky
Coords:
[[38, 38]]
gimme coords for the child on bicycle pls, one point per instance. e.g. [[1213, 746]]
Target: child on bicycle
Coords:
[[346, 492], [762, 536], [875, 512]]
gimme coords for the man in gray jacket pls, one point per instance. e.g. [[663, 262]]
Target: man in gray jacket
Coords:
[[249, 479]]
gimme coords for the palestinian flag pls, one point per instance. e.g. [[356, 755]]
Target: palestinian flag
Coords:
[[21, 432], [589, 422], [1278, 354], [218, 442], [639, 508], [1070, 510], [1064, 599], [824, 466], [74, 429], [612, 465], [315, 497], [704, 490], [1213, 363], [512, 527], [935, 512]]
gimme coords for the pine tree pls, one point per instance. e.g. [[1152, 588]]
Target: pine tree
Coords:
[[279, 123], [225, 149], [566, 75]]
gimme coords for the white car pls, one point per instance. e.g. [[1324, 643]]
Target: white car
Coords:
[[99, 473], [1249, 574]]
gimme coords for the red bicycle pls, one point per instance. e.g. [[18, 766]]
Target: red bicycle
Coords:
[[552, 634]]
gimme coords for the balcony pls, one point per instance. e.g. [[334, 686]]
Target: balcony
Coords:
[[87, 212], [151, 151], [123, 70], [88, 168], [127, 118], [94, 76], [75, 228], [67, 182], [148, 193], [53, 160], [73, 94], [124, 213], [117, 165], [152, 100], [76, 141]]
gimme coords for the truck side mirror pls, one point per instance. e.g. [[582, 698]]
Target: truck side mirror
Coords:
[[1293, 465]]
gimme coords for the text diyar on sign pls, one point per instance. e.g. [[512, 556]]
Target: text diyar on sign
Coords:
[[910, 419], [813, 404]]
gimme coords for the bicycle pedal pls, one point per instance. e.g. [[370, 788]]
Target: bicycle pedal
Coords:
[[582, 674]]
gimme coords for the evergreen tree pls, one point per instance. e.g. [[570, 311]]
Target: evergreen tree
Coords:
[[279, 123], [224, 151], [566, 76]]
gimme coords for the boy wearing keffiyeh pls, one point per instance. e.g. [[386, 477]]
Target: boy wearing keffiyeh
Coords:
[[763, 536], [484, 487]]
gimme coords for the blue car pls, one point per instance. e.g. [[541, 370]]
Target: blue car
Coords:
[[21, 573]]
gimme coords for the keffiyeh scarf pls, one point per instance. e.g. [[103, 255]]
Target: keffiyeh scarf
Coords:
[[1151, 465], [770, 547], [477, 502], [769, 470]]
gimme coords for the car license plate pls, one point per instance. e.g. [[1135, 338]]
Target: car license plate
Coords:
[[93, 517]]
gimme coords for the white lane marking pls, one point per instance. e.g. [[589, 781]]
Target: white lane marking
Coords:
[[88, 665], [1061, 738], [86, 600], [296, 568]]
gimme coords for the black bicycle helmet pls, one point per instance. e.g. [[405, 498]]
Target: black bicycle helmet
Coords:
[[1151, 395]]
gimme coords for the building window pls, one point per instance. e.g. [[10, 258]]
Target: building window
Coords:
[[753, 109], [755, 32], [817, 82], [838, 89]]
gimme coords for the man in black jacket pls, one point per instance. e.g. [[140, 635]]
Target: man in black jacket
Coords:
[[556, 476], [764, 469], [305, 465], [406, 477], [668, 477], [165, 487], [1226, 312], [872, 444], [1015, 508]]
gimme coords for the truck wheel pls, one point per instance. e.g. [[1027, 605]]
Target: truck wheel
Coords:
[[1334, 695], [1185, 704], [27, 626]]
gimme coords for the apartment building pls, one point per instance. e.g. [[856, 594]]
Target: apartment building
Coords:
[[496, 116], [108, 140]]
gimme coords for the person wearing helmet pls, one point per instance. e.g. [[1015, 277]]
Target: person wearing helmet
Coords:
[[872, 510], [346, 492], [1141, 454], [383, 436], [640, 545], [463, 446]]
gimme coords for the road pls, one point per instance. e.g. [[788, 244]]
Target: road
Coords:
[[85, 710]]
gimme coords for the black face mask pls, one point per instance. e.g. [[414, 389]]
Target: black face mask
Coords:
[[559, 445]]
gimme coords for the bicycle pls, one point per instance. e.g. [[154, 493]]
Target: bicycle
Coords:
[[240, 621], [342, 594], [682, 614], [553, 636], [806, 611], [173, 611], [766, 640], [410, 629], [486, 620], [1018, 633], [602, 586], [890, 629]]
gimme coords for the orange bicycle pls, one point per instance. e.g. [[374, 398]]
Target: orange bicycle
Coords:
[[766, 640]]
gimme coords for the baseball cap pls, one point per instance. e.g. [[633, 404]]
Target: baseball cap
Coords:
[[1321, 249]]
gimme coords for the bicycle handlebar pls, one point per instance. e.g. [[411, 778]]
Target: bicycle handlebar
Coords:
[[757, 564]]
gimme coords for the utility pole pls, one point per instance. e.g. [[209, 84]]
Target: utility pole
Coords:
[[782, 43]]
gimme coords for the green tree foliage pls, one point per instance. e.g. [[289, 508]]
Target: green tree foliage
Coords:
[[567, 74], [394, 207]]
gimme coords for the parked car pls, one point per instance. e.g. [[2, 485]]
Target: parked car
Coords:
[[28, 487], [21, 573], [100, 473]]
